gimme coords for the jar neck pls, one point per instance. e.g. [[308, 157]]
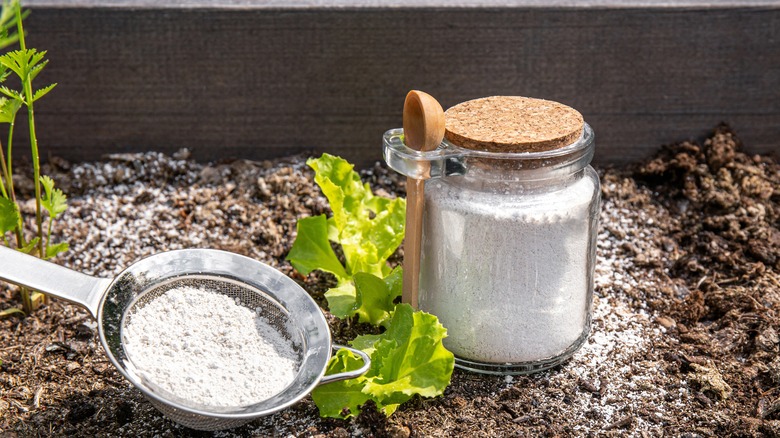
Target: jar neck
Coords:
[[558, 164], [511, 182], [450, 160]]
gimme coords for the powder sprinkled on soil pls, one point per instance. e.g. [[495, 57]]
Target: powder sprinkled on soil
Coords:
[[633, 377], [205, 348]]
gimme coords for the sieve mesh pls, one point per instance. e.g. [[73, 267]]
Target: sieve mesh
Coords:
[[251, 298], [197, 421]]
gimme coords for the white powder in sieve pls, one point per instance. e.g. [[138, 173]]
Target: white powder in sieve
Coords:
[[507, 272], [205, 348]]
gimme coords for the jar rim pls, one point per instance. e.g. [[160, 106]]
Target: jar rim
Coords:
[[584, 141], [452, 160]]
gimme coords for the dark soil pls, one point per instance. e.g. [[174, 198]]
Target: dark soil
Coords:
[[686, 327]]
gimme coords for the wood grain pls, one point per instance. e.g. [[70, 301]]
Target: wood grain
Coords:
[[424, 126], [259, 83]]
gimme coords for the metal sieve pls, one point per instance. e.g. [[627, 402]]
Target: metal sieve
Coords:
[[283, 303]]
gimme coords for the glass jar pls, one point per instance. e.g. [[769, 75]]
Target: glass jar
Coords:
[[508, 249]]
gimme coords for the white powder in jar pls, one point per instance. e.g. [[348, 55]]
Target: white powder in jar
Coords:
[[508, 271], [205, 348]]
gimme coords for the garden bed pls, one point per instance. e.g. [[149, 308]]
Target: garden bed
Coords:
[[684, 341]]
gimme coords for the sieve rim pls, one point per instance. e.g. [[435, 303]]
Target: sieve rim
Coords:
[[180, 261]]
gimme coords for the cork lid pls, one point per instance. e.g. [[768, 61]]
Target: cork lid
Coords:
[[512, 124]]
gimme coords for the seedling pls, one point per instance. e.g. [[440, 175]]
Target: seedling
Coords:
[[25, 64]]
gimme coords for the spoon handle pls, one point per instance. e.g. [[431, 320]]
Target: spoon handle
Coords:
[[415, 202]]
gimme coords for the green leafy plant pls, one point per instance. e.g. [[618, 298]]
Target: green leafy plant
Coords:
[[368, 229], [408, 358], [26, 64]]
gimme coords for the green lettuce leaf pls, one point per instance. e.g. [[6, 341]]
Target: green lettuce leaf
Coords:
[[341, 399], [366, 343], [374, 298], [369, 228], [311, 249], [410, 358], [387, 228], [407, 360], [343, 188], [368, 296], [341, 300]]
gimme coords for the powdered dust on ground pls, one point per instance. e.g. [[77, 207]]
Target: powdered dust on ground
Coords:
[[685, 332]]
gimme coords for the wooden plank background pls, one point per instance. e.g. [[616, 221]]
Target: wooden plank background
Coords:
[[257, 82]]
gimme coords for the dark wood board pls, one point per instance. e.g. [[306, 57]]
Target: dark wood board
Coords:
[[259, 83]]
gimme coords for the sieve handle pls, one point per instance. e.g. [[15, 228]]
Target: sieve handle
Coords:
[[31, 272], [348, 374]]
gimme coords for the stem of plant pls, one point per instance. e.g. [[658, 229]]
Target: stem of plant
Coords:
[[28, 94], [25, 293], [9, 171], [48, 235], [20, 243], [3, 175]]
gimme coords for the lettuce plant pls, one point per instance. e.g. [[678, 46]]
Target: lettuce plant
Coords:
[[368, 228], [408, 358]]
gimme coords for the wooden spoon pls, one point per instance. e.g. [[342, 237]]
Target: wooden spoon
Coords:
[[423, 131]]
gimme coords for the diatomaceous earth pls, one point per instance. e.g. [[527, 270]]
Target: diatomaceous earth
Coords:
[[205, 348], [509, 273]]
